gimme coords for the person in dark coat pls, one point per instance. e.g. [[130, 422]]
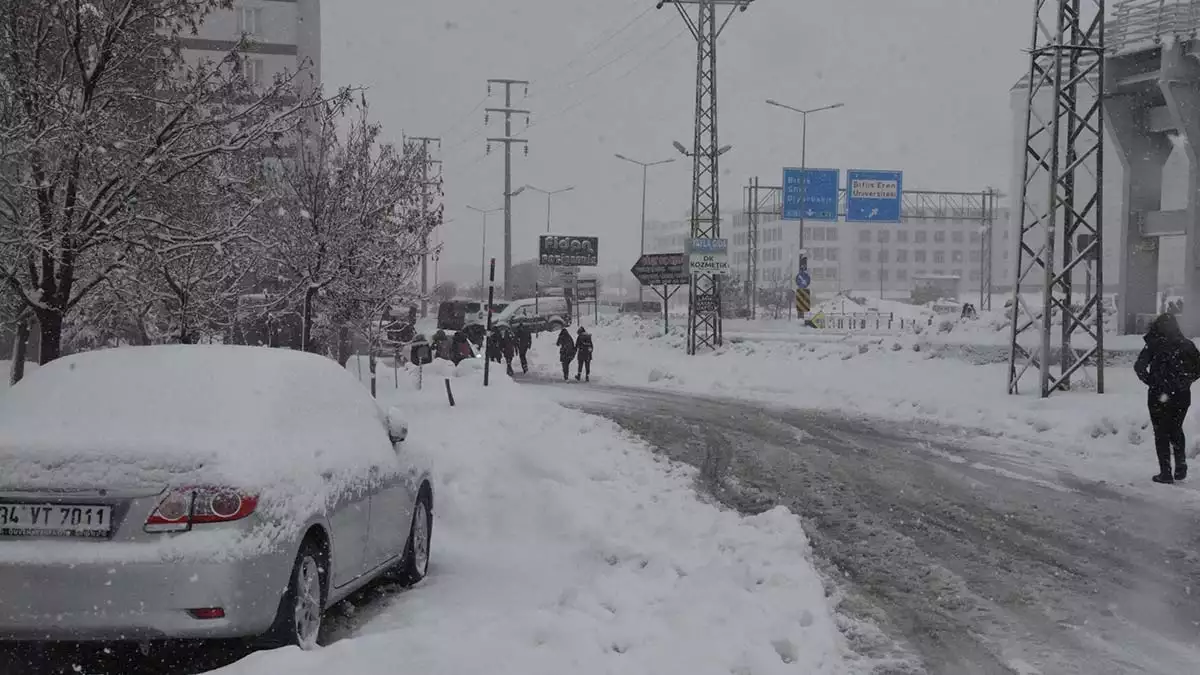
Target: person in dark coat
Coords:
[[1168, 365], [524, 340], [508, 347], [566, 351], [583, 347], [494, 352], [460, 347]]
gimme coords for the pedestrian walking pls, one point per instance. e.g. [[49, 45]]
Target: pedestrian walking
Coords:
[[524, 344], [494, 352], [508, 347], [566, 352], [1168, 365], [583, 348]]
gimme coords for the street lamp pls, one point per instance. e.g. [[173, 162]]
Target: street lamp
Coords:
[[803, 151], [483, 248], [549, 194], [642, 251]]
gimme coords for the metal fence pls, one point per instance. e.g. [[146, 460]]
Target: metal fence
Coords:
[[872, 321], [1145, 23]]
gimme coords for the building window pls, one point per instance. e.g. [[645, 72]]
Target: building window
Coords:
[[957, 273], [818, 233], [831, 254], [956, 236], [902, 236], [864, 236], [939, 236], [975, 275], [883, 275], [975, 237], [939, 257], [864, 275], [818, 254], [864, 255], [939, 273], [919, 273], [901, 275], [883, 255], [975, 256], [885, 236], [831, 234], [249, 20], [902, 255], [252, 70], [919, 256], [919, 237], [956, 256]]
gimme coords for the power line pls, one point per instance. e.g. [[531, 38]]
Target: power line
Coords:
[[591, 49], [466, 117]]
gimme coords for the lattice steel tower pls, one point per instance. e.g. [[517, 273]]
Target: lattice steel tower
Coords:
[[704, 305], [1061, 197]]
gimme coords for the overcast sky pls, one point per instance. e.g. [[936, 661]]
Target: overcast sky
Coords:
[[925, 83]]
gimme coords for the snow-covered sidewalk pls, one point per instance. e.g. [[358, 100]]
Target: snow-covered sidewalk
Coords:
[[1104, 436], [561, 545]]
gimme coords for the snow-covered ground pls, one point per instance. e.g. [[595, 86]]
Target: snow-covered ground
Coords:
[[561, 545], [896, 377]]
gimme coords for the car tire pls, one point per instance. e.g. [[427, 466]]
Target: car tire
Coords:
[[417, 549], [299, 618]]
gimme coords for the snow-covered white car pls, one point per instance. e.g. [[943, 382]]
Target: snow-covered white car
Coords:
[[196, 492]]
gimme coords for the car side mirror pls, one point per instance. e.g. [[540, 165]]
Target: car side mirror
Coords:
[[396, 426]]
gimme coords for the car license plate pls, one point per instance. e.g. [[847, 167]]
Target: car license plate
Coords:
[[55, 520]]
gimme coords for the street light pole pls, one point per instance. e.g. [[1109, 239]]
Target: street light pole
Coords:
[[642, 248], [804, 152], [549, 194], [483, 249]]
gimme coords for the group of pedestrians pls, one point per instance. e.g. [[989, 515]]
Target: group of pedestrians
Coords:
[[579, 349], [504, 344]]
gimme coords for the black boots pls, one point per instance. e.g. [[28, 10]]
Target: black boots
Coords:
[[1164, 478], [1180, 471]]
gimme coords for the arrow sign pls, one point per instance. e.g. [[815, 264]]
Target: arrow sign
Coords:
[[803, 279], [662, 269]]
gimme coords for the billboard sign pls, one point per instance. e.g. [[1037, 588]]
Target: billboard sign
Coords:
[[662, 269], [562, 250], [708, 256]]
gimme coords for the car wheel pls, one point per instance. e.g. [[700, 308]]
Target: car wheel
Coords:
[[420, 535], [298, 621]]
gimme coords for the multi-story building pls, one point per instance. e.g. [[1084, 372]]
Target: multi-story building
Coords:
[[283, 35], [868, 257]]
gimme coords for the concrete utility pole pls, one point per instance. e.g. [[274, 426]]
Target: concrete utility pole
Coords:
[[704, 303], [508, 111], [427, 160], [642, 250]]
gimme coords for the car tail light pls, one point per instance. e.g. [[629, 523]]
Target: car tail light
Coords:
[[180, 509], [207, 613]]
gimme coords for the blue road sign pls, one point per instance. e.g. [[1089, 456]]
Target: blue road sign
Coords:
[[803, 280], [874, 196], [810, 194]]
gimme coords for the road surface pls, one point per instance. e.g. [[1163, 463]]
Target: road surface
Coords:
[[969, 559]]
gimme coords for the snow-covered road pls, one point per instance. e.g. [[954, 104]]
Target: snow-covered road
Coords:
[[971, 556]]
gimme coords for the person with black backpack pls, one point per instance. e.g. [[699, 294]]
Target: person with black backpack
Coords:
[[583, 347], [1168, 365], [566, 351]]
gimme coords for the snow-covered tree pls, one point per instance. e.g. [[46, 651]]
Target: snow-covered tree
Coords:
[[349, 226], [102, 117]]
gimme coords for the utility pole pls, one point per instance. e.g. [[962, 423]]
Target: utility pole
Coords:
[[508, 111], [426, 161], [704, 304]]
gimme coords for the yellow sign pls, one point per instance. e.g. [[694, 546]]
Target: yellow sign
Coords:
[[803, 300]]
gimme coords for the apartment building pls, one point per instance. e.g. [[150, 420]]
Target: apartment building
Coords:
[[284, 35]]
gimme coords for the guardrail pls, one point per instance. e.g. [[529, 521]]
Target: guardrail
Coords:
[[1148, 22], [872, 321]]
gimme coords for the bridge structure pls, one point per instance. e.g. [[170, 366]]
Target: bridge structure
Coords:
[[1151, 98]]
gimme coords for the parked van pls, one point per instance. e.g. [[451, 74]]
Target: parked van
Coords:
[[538, 314]]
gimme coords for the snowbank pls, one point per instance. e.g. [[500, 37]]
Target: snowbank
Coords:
[[563, 546], [896, 378]]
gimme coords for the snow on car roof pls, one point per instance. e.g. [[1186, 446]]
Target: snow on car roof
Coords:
[[247, 417]]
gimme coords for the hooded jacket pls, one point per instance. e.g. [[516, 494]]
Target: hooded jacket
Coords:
[[1170, 362]]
